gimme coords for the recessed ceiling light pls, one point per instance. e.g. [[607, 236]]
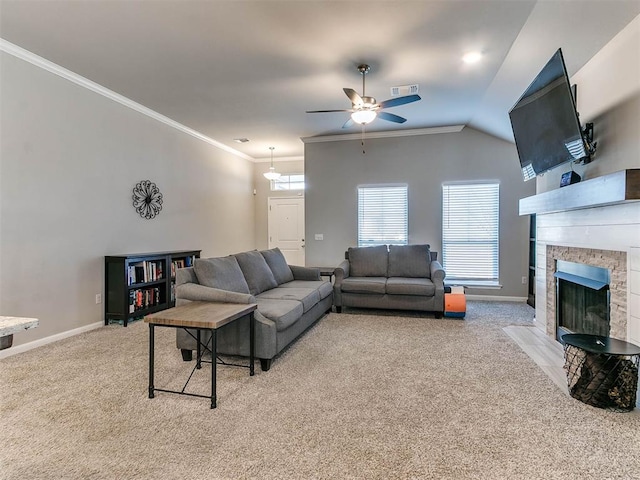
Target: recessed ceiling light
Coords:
[[471, 57], [241, 140]]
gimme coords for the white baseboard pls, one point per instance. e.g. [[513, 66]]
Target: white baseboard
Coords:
[[8, 352], [495, 298]]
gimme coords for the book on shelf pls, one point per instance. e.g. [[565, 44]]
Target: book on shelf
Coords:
[[145, 271]]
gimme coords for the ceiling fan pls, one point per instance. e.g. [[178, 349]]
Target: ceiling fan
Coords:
[[365, 109]]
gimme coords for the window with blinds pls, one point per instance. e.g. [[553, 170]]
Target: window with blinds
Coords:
[[382, 215], [470, 231]]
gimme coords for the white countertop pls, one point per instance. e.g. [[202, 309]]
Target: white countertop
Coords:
[[11, 325]]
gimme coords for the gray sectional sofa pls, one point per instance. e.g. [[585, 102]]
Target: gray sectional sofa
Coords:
[[403, 277], [289, 298]]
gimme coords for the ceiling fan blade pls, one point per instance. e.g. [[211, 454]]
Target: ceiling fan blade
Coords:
[[394, 102], [327, 111], [353, 96], [390, 117], [348, 123]]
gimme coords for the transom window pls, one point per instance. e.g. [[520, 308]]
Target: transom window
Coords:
[[382, 215], [288, 182], [470, 232]]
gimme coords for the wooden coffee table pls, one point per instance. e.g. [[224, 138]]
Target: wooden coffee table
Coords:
[[200, 316]]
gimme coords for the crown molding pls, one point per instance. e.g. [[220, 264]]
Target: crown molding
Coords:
[[386, 134], [51, 67]]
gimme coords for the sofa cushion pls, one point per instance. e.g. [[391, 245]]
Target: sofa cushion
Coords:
[[323, 287], [307, 296], [368, 261], [278, 265], [409, 261], [410, 286], [223, 273], [283, 313], [256, 272], [364, 284]]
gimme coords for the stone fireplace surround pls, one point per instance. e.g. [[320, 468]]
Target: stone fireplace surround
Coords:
[[615, 261]]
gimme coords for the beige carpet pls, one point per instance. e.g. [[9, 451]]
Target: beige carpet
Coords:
[[362, 395]]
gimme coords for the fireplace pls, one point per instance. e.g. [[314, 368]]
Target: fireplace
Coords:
[[614, 262], [583, 298]]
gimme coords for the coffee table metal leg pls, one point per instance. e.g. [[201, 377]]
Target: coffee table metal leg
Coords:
[[252, 342], [198, 350], [151, 348], [214, 356]]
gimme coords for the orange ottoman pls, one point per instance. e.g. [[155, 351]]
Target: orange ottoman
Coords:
[[455, 304]]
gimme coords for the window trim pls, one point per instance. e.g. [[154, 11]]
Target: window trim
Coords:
[[386, 237], [492, 280]]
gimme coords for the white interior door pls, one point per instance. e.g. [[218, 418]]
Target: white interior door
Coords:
[[286, 228]]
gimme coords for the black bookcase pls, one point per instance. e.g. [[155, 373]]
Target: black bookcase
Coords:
[[531, 294], [141, 283]]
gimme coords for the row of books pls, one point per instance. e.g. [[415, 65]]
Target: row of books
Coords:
[[147, 271], [140, 299], [181, 263]]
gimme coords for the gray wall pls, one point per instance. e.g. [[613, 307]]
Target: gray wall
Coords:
[[335, 169], [69, 159]]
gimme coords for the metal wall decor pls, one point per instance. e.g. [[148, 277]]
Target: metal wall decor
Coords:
[[147, 199]]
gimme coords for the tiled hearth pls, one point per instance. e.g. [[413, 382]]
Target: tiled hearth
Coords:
[[615, 261]]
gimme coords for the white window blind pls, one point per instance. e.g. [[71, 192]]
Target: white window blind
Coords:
[[470, 231], [382, 215]]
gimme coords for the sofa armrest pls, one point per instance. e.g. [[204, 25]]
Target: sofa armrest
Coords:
[[341, 271], [437, 273], [200, 293], [305, 273]]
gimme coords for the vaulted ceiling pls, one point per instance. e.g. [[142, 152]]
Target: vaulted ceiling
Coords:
[[234, 69]]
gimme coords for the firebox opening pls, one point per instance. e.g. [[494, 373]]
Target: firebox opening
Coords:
[[583, 299]]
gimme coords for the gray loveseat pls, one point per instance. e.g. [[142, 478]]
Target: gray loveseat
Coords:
[[403, 277], [289, 299]]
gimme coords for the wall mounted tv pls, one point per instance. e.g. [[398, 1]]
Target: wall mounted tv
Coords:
[[545, 123]]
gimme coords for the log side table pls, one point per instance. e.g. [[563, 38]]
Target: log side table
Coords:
[[602, 371], [201, 316]]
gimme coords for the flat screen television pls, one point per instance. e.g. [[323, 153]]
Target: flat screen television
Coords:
[[545, 123]]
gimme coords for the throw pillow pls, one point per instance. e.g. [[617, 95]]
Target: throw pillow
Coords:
[[256, 272], [278, 265], [409, 261], [368, 261], [223, 273]]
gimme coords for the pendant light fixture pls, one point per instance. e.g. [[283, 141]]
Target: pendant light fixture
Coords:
[[271, 174]]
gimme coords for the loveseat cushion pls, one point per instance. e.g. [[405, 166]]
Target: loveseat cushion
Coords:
[[323, 287], [223, 273], [409, 261], [278, 265], [410, 286], [256, 272], [368, 261], [364, 284], [283, 313], [307, 296]]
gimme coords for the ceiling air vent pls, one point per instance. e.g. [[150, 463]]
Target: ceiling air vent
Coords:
[[404, 90]]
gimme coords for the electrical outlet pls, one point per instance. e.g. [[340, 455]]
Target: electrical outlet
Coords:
[[524, 280], [98, 298]]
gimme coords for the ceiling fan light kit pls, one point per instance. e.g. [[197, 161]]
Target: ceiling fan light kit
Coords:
[[271, 174], [365, 110], [363, 116]]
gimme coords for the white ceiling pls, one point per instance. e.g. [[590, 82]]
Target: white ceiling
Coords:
[[231, 69]]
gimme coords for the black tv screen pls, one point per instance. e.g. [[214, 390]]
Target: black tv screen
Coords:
[[545, 122]]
